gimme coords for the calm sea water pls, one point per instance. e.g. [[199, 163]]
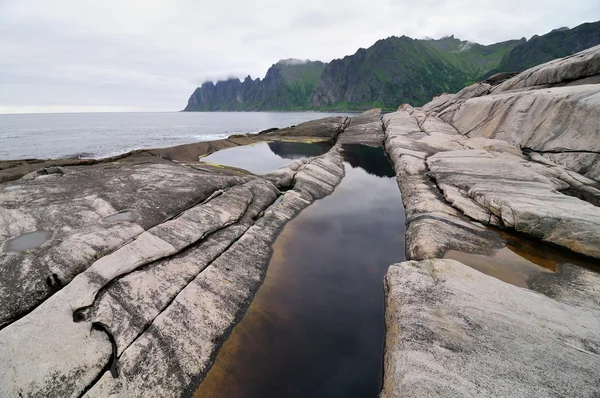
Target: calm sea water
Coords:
[[96, 135]]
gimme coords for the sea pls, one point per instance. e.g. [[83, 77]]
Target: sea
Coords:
[[98, 135]]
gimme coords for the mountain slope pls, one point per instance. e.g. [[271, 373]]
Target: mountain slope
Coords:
[[393, 71], [556, 44], [288, 84], [401, 69]]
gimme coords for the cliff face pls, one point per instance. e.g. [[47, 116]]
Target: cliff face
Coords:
[[556, 44], [400, 69], [393, 71], [288, 84]]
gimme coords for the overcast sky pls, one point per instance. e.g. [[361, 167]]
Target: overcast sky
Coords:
[[149, 55]]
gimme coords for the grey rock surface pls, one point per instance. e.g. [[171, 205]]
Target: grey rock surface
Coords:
[[327, 128], [524, 160], [169, 261], [517, 196], [365, 129], [453, 331], [574, 67], [434, 226], [550, 109], [521, 155], [76, 207]]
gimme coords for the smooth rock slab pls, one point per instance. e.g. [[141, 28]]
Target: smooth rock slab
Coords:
[[366, 129], [167, 298], [519, 197], [75, 206], [573, 67], [176, 349], [453, 331], [433, 225]]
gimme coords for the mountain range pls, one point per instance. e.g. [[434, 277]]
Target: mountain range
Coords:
[[392, 71]]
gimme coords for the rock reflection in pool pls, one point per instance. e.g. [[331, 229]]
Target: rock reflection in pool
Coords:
[[521, 260], [316, 326], [371, 159], [265, 157], [298, 150]]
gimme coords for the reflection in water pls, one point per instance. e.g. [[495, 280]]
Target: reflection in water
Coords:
[[316, 326], [298, 150], [372, 159], [265, 157], [28, 241], [521, 260]]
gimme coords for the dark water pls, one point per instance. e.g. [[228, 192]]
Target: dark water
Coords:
[[106, 134], [522, 259], [266, 157], [316, 326]]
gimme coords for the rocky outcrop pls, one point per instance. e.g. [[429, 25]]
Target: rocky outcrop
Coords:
[[532, 112], [563, 70], [327, 129], [520, 155], [76, 208], [453, 331], [505, 190], [366, 129], [130, 286], [434, 226], [508, 146]]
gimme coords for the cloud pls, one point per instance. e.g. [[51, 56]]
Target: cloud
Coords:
[[293, 61], [151, 54]]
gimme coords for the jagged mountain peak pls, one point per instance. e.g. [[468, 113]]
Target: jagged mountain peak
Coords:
[[394, 70]]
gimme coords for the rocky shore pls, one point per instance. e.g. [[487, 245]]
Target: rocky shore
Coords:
[[123, 276], [523, 155]]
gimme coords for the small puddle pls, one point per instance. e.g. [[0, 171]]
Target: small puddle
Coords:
[[522, 259], [30, 240], [122, 216], [266, 157], [316, 326]]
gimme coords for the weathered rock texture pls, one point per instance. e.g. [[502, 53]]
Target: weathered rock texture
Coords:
[[366, 129], [524, 159], [143, 267], [519, 153], [455, 332]]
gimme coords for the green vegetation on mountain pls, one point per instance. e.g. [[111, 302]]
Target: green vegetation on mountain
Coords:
[[288, 84], [556, 44], [401, 69], [393, 71]]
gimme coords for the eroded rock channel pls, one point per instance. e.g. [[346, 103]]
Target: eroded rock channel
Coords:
[[315, 327]]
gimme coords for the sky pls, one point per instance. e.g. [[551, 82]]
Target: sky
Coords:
[[130, 55]]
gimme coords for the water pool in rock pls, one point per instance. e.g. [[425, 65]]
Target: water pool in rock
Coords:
[[266, 157], [27, 241], [522, 259], [316, 325], [122, 216]]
